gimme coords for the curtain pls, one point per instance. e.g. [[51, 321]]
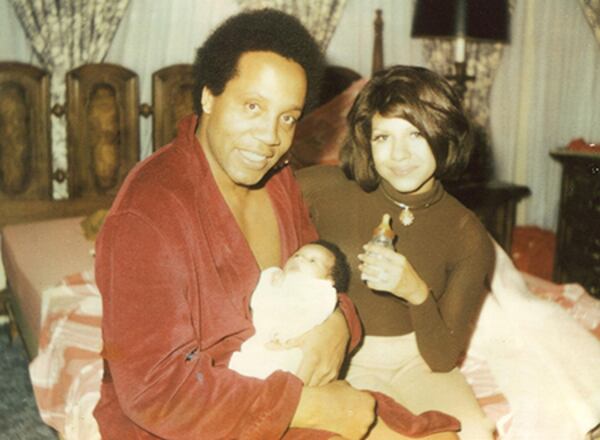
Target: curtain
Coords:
[[65, 34], [319, 16], [483, 60], [13, 42], [546, 93], [154, 34], [591, 9], [352, 42]]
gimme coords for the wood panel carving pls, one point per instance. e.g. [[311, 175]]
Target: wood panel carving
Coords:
[[578, 235], [172, 100], [102, 128], [25, 156]]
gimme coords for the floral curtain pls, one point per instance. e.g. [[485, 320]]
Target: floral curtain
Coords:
[[591, 9], [65, 34], [319, 16], [482, 60]]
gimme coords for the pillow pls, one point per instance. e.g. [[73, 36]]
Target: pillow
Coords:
[[92, 223], [320, 134]]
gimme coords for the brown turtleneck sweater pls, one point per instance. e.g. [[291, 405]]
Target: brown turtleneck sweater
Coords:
[[446, 244]]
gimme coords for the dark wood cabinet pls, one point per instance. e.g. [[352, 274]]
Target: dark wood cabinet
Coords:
[[494, 203], [578, 234]]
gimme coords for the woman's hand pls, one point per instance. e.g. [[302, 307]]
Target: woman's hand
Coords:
[[385, 270], [323, 348]]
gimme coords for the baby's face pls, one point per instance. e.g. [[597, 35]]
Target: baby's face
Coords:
[[312, 260]]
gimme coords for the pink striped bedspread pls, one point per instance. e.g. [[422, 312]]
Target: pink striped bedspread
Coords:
[[66, 373]]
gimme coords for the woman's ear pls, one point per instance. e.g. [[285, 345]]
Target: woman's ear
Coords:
[[206, 100]]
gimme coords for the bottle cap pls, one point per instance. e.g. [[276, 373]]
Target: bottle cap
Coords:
[[384, 228]]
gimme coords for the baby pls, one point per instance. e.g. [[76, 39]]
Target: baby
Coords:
[[290, 301], [287, 303]]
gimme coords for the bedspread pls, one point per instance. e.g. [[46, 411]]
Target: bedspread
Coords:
[[67, 372], [545, 362], [577, 303]]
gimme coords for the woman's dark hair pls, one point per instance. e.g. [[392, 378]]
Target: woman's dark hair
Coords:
[[260, 30], [340, 272], [423, 98]]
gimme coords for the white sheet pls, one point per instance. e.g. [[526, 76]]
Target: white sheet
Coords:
[[545, 362]]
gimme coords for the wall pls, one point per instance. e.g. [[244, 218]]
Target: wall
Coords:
[[547, 91]]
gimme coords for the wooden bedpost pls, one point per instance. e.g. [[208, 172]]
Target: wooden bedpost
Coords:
[[378, 43]]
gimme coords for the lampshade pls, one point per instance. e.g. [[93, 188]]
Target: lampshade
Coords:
[[472, 19]]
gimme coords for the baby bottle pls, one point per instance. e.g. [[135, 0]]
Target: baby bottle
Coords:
[[383, 234]]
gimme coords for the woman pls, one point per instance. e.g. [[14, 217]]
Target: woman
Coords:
[[419, 302]]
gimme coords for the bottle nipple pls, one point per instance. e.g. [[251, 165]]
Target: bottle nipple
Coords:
[[383, 234]]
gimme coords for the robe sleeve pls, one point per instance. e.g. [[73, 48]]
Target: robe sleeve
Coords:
[[165, 383], [347, 307]]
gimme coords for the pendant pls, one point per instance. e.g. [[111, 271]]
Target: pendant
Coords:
[[406, 217]]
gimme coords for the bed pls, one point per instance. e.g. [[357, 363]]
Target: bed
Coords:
[[42, 239], [47, 244], [66, 373]]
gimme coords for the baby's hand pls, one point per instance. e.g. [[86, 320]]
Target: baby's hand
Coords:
[[278, 344], [386, 270]]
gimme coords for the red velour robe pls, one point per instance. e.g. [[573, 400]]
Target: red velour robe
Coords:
[[176, 275]]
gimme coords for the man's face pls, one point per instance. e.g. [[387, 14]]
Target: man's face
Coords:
[[245, 130]]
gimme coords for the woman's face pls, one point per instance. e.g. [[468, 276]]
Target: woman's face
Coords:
[[402, 155]]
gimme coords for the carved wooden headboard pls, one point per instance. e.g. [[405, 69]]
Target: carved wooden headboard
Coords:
[[172, 98], [101, 112], [24, 132]]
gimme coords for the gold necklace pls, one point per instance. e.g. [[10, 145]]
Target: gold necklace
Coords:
[[406, 216]]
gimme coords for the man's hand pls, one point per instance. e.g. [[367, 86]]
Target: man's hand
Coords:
[[336, 407], [323, 348]]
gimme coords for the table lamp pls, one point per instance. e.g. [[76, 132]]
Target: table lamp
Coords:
[[461, 21]]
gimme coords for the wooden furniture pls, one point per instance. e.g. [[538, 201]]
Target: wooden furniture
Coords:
[[578, 235], [102, 122], [102, 128], [172, 90], [7, 319], [102, 113], [494, 203], [25, 168]]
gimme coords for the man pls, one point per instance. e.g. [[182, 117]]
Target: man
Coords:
[[182, 248]]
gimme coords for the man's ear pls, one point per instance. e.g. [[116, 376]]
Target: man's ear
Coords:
[[206, 100]]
